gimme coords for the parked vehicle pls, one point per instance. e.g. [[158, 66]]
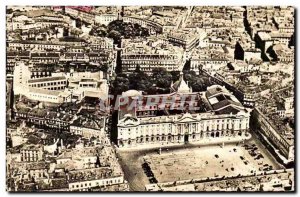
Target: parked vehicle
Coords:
[[261, 169]]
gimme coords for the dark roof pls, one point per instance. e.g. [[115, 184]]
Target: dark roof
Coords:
[[38, 112], [214, 91], [280, 106], [37, 165], [227, 110], [224, 103], [18, 53], [45, 55]]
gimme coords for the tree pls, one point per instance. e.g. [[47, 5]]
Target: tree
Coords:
[[52, 27], [9, 11], [128, 30], [76, 32], [139, 80], [100, 31], [115, 35], [117, 29], [116, 25], [175, 75], [66, 31], [78, 23], [152, 90], [120, 84], [198, 83], [104, 67], [162, 78]]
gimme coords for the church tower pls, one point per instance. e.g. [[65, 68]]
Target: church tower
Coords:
[[180, 86]]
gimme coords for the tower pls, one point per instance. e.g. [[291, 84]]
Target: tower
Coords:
[[180, 86]]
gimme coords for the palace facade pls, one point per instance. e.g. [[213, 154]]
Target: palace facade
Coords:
[[212, 114]]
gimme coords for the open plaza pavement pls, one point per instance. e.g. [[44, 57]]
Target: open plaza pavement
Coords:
[[193, 162]]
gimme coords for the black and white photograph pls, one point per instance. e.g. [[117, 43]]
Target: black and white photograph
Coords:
[[149, 98]]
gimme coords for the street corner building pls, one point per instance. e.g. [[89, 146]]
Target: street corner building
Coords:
[[150, 99]]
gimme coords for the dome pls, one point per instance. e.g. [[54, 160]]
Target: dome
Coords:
[[132, 93], [180, 86]]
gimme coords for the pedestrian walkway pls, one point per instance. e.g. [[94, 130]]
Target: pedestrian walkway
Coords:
[[208, 141]]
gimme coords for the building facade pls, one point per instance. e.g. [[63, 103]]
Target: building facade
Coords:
[[49, 83], [220, 116]]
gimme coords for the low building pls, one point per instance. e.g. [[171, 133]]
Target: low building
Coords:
[[82, 180], [51, 120], [282, 53], [187, 39], [105, 19], [209, 60], [51, 96], [45, 57], [88, 127], [87, 84], [279, 180], [246, 51], [280, 138], [31, 153], [38, 45]]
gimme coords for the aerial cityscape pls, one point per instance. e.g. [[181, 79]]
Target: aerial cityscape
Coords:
[[150, 98]]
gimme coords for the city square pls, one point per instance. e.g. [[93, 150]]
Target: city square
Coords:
[[193, 161]]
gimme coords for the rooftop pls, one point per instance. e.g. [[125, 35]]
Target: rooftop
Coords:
[[90, 174], [46, 79]]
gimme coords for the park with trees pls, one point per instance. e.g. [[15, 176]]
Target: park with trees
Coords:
[[119, 29], [159, 82]]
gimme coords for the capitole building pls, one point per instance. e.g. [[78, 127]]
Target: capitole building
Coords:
[[181, 117]]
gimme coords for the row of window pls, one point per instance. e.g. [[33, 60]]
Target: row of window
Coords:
[[44, 46], [179, 137], [53, 88], [44, 84], [148, 60], [159, 128], [43, 96], [98, 183]]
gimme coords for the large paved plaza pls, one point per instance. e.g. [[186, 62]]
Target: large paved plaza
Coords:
[[193, 162], [202, 162]]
